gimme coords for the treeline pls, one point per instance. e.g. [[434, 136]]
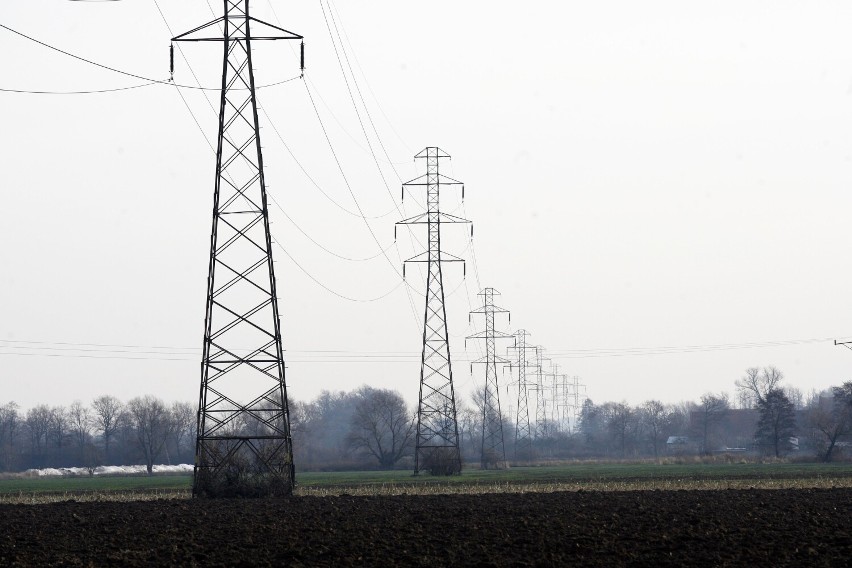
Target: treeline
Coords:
[[374, 428], [144, 430], [765, 418], [366, 428]]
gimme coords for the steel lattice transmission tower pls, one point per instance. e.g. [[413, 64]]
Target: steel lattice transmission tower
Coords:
[[557, 398], [243, 446], [523, 430], [437, 437], [493, 455], [541, 418], [574, 393]]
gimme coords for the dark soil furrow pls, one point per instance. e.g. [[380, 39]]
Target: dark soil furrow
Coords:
[[661, 528]]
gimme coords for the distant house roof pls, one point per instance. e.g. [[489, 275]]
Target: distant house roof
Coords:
[[677, 440]]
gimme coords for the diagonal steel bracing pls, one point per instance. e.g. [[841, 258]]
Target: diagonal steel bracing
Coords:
[[437, 437], [541, 390], [523, 430], [242, 448], [493, 454]]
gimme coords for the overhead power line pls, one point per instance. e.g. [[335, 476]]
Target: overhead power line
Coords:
[[358, 90], [149, 80], [375, 98], [355, 107], [351, 192], [671, 350], [329, 290], [92, 92], [67, 349], [331, 252], [313, 181]]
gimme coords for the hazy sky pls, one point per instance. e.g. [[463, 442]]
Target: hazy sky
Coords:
[[640, 175]]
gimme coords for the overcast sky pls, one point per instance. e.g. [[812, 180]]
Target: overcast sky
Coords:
[[641, 175]]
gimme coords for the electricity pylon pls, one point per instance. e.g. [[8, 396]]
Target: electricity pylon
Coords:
[[243, 446], [541, 418], [437, 439], [574, 392], [561, 407], [523, 430], [493, 455], [557, 396]]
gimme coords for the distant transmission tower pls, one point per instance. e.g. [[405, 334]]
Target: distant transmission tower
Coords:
[[554, 420], [541, 418], [243, 446], [574, 393], [558, 397], [523, 430], [561, 408], [493, 453], [437, 439]]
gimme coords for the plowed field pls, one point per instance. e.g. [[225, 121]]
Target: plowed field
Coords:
[[803, 527]]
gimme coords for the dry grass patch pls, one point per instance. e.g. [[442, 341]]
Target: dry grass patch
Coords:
[[608, 485]]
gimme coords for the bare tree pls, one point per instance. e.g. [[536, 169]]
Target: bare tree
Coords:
[[38, 425], [756, 384], [81, 424], [107, 418], [654, 416], [796, 396], [469, 422], [744, 399], [298, 417], [712, 411], [60, 425], [9, 422], [151, 424], [381, 426], [678, 415], [832, 417], [621, 425], [184, 423]]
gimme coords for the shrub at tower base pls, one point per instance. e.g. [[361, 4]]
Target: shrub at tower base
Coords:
[[492, 459], [441, 461], [243, 468]]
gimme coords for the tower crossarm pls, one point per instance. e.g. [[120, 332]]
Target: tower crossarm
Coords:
[[495, 335], [437, 179], [493, 309], [424, 257], [497, 359], [424, 219], [242, 32]]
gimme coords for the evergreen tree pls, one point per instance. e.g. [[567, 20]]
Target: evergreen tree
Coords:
[[777, 423], [590, 423]]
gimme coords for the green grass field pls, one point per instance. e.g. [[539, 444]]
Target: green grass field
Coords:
[[571, 477], [101, 484]]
